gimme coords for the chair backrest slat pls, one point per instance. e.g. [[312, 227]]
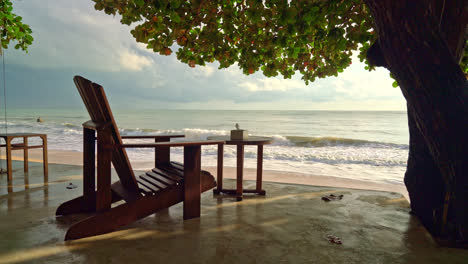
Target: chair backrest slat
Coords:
[[96, 103]]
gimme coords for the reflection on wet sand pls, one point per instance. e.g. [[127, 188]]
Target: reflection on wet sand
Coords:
[[23, 185]]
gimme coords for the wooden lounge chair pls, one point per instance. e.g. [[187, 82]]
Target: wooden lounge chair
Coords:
[[167, 184]]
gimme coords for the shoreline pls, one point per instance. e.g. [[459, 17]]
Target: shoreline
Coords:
[[76, 158]]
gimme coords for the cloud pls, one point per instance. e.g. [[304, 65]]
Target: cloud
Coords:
[[73, 38], [72, 34], [203, 71], [361, 85], [134, 62], [272, 84], [142, 47], [234, 70]]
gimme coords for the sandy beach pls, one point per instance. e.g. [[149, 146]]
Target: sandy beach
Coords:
[[76, 158], [291, 224]]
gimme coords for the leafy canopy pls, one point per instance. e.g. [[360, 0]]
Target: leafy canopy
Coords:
[[11, 28], [314, 37]]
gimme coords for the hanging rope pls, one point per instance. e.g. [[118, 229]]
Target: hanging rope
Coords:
[[2, 53], [4, 93]]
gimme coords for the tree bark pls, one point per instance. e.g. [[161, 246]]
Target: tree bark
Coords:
[[422, 178], [417, 53], [422, 175]]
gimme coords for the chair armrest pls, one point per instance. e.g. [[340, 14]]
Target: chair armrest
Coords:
[[169, 136], [173, 144]]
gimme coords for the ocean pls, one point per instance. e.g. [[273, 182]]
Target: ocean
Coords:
[[363, 145]]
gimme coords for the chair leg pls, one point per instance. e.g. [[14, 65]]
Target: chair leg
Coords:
[[103, 193], [89, 167], [123, 214]]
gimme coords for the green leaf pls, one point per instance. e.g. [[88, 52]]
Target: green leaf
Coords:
[[139, 3], [175, 17]]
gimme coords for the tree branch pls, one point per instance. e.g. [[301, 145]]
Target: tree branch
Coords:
[[375, 56]]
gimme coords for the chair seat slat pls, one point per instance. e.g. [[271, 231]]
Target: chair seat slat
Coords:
[[166, 172], [166, 180], [148, 186], [152, 181]]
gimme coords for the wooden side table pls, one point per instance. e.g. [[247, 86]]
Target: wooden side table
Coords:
[[24, 146], [252, 140]]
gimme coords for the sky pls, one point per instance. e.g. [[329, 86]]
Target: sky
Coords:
[[72, 38]]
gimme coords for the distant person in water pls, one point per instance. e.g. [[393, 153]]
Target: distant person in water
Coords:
[[39, 119]]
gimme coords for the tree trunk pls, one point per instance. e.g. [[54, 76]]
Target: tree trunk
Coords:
[[418, 55], [422, 175]]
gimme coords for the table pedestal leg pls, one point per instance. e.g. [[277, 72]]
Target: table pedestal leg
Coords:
[[25, 154], [219, 176], [192, 194], [45, 159], [162, 154], [240, 171], [8, 157], [260, 170]]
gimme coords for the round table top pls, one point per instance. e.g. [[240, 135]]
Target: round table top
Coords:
[[252, 140]]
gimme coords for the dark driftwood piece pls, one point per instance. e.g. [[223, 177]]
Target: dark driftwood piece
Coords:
[[167, 184]]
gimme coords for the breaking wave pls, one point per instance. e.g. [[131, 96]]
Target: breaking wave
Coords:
[[337, 141]]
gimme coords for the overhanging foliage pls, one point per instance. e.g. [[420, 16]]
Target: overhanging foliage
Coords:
[[316, 38], [11, 28]]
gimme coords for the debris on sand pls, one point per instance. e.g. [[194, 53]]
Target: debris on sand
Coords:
[[332, 197], [71, 186], [334, 239]]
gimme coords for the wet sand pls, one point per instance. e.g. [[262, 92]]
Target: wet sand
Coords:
[[291, 224]]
